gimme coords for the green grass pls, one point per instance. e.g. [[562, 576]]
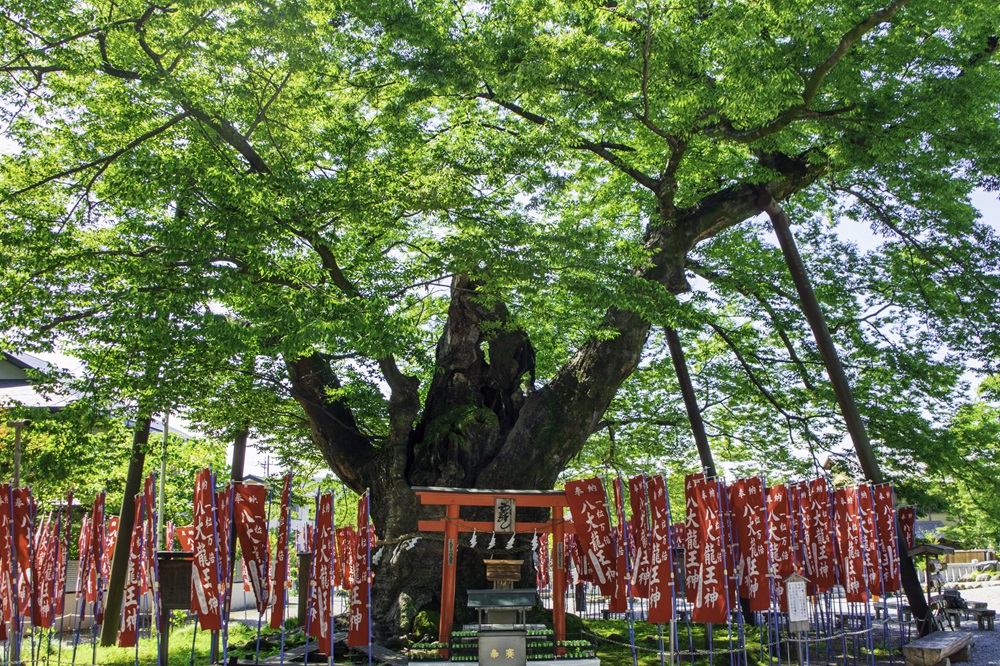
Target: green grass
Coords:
[[180, 648], [613, 649]]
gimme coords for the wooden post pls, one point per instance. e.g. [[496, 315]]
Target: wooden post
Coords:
[[126, 524], [558, 580], [448, 567], [842, 390], [17, 426], [690, 401], [161, 526], [302, 609]]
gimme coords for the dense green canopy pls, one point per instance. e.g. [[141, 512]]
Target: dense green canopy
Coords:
[[206, 194]]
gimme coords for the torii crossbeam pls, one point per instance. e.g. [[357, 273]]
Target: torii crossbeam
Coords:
[[454, 499]]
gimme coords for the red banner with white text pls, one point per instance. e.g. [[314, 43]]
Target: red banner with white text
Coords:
[[820, 554], [640, 536], [185, 537], [619, 600], [693, 485], [711, 604], [321, 575], [251, 527], [748, 506], [128, 631], [848, 526], [885, 516], [6, 553], [24, 516], [869, 540], [589, 506], [661, 592], [358, 615], [280, 580], [206, 597], [907, 519], [149, 566], [780, 541]]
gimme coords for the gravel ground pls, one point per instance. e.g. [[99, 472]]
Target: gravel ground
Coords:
[[985, 644]]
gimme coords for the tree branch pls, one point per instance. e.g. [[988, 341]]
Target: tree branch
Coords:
[[103, 162], [225, 131], [334, 429], [815, 80], [764, 391], [601, 149]]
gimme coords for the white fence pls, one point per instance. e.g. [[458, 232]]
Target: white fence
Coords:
[[951, 574]]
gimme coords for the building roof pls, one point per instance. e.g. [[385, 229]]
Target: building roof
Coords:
[[16, 388]]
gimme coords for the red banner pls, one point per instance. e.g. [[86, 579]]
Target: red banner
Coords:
[[83, 547], [149, 568], [798, 497], [67, 542], [885, 516], [127, 632], [95, 587], [820, 556], [224, 530], [583, 566], [640, 536], [907, 520], [347, 546], [619, 600], [748, 505], [24, 515], [280, 579], [109, 539], [7, 578], [542, 570], [661, 593], [206, 597], [320, 575], [251, 527], [589, 506], [869, 540], [693, 484], [848, 525], [185, 537], [359, 629], [45, 573], [779, 541], [711, 602], [678, 534], [170, 535]]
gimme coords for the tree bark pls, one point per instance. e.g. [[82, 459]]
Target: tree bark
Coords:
[[478, 427], [845, 397]]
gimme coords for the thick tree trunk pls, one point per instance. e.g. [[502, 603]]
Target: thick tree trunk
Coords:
[[478, 428], [845, 397]]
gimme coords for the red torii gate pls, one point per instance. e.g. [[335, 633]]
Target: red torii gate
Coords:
[[455, 498]]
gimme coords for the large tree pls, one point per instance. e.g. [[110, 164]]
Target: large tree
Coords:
[[458, 225]]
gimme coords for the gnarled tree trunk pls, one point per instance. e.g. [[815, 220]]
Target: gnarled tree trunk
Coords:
[[478, 427]]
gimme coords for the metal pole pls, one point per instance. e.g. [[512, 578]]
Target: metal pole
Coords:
[[17, 426], [161, 516]]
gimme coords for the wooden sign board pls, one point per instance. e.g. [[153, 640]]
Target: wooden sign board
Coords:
[[504, 515], [798, 604]]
